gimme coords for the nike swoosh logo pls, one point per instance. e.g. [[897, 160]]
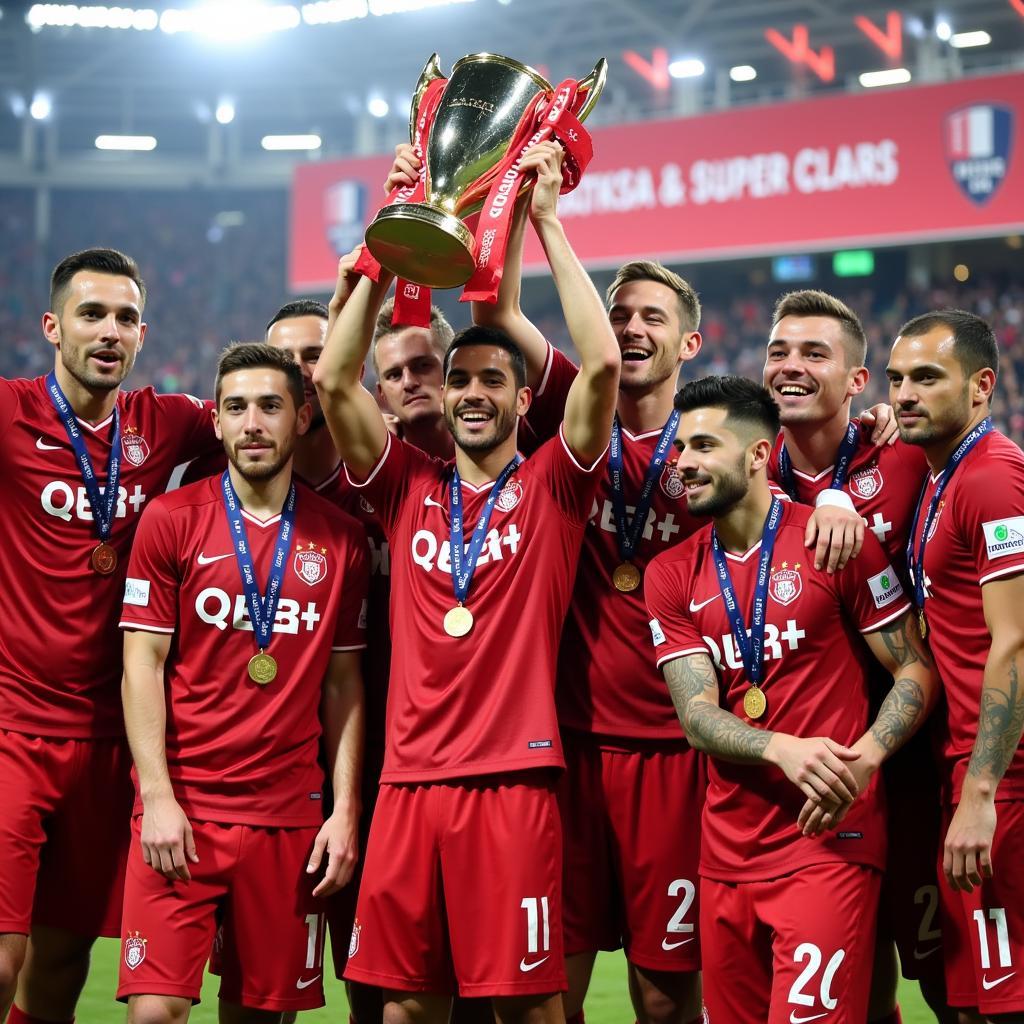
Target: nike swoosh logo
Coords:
[[694, 607], [300, 984], [207, 559], [927, 953], [428, 501], [986, 984], [44, 447], [525, 967], [669, 946], [794, 1019]]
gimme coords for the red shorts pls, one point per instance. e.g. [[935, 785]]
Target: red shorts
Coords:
[[461, 890], [983, 931], [250, 881], [65, 810], [909, 906], [629, 880], [790, 950]]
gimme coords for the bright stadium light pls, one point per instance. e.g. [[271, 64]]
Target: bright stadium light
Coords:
[[225, 112], [231, 21], [68, 15], [41, 107], [688, 67], [126, 143], [962, 40], [290, 142], [378, 106], [894, 76], [382, 7], [943, 30], [330, 12], [743, 73]]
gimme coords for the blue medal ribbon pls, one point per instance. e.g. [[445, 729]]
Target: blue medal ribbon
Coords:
[[463, 561], [915, 560], [262, 610], [102, 501], [840, 468], [629, 534], [751, 648]]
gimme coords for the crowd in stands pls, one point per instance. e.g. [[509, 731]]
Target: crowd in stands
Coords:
[[214, 265]]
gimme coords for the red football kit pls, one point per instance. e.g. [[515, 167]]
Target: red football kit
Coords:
[[977, 536], [627, 763], [64, 783], [816, 684], [242, 757], [474, 717], [884, 485]]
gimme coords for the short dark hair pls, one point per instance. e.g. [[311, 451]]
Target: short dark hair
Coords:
[[743, 399], [251, 355], [811, 302], [479, 335], [103, 261], [299, 307], [651, 270], [974, 341]]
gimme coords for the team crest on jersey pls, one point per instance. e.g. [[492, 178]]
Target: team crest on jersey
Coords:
[[671, 482], [510, 496], [935, 521], [134, 446], [785, 584], [353, 942], [134, 950], [867, 483], [310, 564]]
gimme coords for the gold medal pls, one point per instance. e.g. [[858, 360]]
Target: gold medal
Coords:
[[103, 559], [922, 623], [754, 703], [262, 669], [626, 577], [458, 621]]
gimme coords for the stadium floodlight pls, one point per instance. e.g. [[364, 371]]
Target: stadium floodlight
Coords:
[[126, 143], [231, 21], [378, 106], [290, 142], [743, 73], [379, 8], [943, 30], [893, 76], [98, 16], [962, 40], [688, 67], [41, 107], [225, 112], [330, 12]]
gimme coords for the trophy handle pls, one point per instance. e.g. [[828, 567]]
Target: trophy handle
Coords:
[[593, 84], [431, 71]]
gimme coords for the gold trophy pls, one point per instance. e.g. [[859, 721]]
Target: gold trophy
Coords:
[[489, 105]]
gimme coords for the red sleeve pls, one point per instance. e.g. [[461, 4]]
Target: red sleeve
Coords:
[[548, 406], [990, 512], [151, 589], [193, 426], [572, 485], [350, 628], [870, 588], [673, 631], [212, 464], [9, 404]]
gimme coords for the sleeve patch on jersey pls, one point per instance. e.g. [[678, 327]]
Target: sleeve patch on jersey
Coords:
[[362, 614], [136, 592], [656, 633], [1004, 537], [885, 587]]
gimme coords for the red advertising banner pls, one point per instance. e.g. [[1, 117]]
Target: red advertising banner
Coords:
[[897, 165]]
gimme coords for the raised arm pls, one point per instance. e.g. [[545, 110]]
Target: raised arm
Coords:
[[342, 715], [590, 405], [352, 413], [167, 844]]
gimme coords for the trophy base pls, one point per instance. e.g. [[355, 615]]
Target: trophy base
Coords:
[[422, 244]]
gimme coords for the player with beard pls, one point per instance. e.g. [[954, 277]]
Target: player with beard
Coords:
[[80, 459], [244, 615], [472, 737], [814, 368], [966, 556], [787, 915]]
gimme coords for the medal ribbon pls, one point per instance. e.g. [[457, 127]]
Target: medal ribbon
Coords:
[[629, 534], [751, 648], [842, 464], [463, 561], [103, 501], [262, 610], [915, 560]]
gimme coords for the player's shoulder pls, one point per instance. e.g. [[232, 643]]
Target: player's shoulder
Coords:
[[189, 497], [996, 455], [21, 386], [795, 516], [148, 400], [686, 555], [317, 505]]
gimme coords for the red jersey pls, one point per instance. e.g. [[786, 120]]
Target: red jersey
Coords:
[[482, 703], [815, 682], [238, 752], [883, 482], [60, 650], [977, 535]]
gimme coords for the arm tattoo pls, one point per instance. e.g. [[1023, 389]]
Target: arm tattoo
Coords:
[[903, 709], [709, 727], [999, 726]]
